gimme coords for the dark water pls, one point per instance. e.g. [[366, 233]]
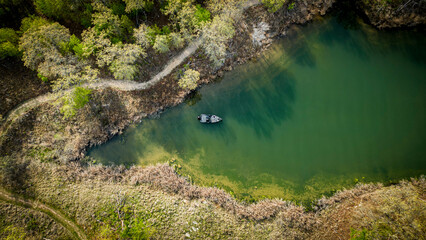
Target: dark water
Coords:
[[324, 108]]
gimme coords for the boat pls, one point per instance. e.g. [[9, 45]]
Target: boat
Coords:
[[209, 118]]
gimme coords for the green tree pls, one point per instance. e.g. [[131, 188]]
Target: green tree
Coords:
[[74, 10], [121, 59], [94, 41], [216, 36], [176, 40], [104, 20], [107, 29], [74, 73], [134, 5], [42, 42], [8, 43], [75, 101], [189, 79], [186, 16], [32, 22], [44, 47], [161, 44], [142, 36]]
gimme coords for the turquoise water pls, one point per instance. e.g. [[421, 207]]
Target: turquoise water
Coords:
[[324, 108]]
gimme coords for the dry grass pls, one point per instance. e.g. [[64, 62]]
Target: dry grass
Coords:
[[372, 211], [170, 205], [16, 222], [395, 212]]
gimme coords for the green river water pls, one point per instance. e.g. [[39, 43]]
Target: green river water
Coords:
[[324, 108]]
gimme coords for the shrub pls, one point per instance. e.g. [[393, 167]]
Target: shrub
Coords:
[[189, 79], [74, 101], [152, 32], [273, 5], [8, 49], [42, 78], [202, 14], [13, 173], [127, 27], [13, 233]]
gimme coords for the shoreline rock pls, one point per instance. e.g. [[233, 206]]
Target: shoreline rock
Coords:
[[384, 14]]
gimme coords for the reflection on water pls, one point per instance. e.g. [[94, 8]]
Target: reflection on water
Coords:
[[323, 107]]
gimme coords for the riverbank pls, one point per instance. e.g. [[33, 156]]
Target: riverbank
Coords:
[[110, 111], [393, 14], [154, 202], [43, 136]]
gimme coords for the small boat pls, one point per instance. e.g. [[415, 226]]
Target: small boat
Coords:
[[208, 118]]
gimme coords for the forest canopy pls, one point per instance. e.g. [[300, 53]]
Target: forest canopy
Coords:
[[70, 43]]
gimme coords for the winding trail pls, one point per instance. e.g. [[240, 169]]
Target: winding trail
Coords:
[[74, 229], [123, 85]]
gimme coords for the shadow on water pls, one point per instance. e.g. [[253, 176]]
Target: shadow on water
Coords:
[[413, 47], [193, 98], [266, 106], [348, 27], [260, 103], [297, 48], [347, 14], [335, 34]]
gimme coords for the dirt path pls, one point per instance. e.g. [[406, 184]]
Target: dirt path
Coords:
[[56, 215], [109, 83], [133, 86]]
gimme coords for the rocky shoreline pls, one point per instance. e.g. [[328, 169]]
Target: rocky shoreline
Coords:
[[392, 14]]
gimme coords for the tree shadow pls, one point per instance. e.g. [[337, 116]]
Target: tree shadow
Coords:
[[347, 14], [297, 48], [262, 108], [352, 39], [109, 109], [259, 100], [409, 42]]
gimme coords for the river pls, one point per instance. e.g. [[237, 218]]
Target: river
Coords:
[[326, 107]]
